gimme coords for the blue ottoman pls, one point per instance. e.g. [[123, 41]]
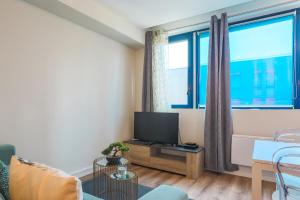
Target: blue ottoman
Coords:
[[165, 192], [87, 196]]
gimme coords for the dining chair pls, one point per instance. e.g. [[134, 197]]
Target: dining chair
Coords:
[[287, 175], [287, 135]]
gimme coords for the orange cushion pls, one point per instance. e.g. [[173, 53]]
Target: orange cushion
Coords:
[[39, 182]]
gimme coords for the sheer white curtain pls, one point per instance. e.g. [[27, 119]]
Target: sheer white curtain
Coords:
[[159, 71]]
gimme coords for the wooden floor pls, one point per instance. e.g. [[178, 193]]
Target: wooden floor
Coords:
[[209, 186]]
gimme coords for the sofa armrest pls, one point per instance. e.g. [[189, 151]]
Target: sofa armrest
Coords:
[[6, 152], [1, 197]]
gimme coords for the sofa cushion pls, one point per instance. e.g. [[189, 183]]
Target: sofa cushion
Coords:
[[35, 181], [4, 180], [165, 192]]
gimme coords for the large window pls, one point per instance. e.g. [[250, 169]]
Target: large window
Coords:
[[180, 71], [262, 65]]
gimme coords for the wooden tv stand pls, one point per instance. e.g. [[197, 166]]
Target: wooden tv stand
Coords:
[[167, 158]]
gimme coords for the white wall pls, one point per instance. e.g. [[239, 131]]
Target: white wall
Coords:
[[66, 92]]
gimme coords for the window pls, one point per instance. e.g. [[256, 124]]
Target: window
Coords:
[[180, 71], [262, 70]]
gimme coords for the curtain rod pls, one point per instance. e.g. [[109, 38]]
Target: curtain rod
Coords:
[[230, 17]]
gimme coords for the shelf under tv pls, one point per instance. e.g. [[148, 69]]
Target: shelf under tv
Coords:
[[166, 157]]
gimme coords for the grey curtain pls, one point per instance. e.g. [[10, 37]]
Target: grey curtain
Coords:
[[147, 95], [218, 121]]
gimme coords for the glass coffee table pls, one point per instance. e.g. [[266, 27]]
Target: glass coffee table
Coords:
[[113, 184]]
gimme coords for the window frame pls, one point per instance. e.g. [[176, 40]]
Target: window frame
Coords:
[[198, 81], [190, 92], [296, 61], [297, 58]]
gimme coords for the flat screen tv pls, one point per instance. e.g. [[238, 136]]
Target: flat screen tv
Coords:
[[156, 127]]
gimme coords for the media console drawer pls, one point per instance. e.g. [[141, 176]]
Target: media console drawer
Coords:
[[175, 166]]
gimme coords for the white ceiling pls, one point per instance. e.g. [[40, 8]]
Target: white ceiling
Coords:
[[149, 13]]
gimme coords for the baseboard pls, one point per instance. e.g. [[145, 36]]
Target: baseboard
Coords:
[[83, 172]]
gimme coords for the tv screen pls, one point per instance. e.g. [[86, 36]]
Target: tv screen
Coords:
[[156, 127]]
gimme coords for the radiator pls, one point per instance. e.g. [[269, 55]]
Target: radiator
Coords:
[[242, 148]]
